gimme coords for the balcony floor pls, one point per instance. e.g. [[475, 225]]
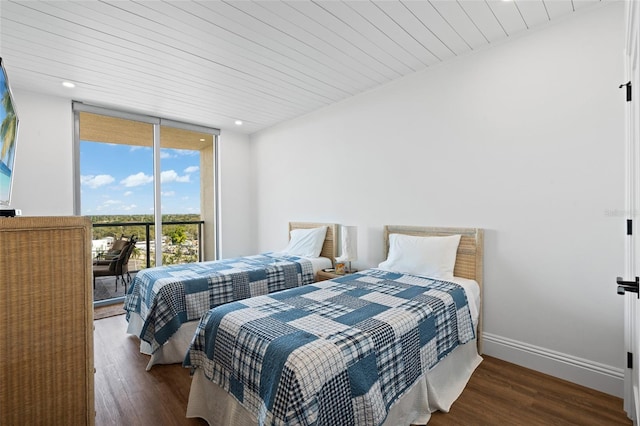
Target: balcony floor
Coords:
[[106, 288]]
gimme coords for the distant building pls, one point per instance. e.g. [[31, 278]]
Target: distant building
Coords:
[[101, 245]]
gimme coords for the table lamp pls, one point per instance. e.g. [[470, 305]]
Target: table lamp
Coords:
[[349, 245]]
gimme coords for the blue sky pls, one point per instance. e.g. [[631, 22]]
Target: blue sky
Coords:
[[118, 179]]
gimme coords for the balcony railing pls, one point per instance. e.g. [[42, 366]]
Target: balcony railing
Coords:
[[172, 253]]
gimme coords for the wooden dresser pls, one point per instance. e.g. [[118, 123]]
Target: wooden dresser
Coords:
[[46, 321]]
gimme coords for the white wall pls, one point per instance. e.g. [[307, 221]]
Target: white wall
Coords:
[[43, 183], [524, 140], [236, 233]]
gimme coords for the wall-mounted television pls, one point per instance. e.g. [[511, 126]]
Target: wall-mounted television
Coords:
[[8, 137]]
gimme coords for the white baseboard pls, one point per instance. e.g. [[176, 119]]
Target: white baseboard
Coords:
[[604, 378]]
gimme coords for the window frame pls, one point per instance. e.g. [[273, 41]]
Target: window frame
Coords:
[[157, 123]]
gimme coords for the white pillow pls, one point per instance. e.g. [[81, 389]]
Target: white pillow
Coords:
[[433, 257], [306, 242]]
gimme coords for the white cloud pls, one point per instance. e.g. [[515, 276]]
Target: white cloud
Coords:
[[96, 181], [191, 169], [164, 154], [168, 176], [128, 193], [169, 194], [136, 180], [112, 202], [129, 207], [171, 176]]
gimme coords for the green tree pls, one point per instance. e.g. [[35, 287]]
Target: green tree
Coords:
[[136, 252], [178, 235]]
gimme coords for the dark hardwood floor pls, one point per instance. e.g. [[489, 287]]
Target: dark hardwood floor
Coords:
[[126, 394], [499, 393]]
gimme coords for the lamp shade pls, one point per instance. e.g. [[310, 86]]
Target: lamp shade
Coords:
[[349, 244]]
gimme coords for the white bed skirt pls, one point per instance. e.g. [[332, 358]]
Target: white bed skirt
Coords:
[[173, 351], [435, 392]]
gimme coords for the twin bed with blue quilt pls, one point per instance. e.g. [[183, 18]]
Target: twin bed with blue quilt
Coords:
[[165, 303], [370, 348]]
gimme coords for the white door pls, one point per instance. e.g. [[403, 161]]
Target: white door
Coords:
[[632, 248]]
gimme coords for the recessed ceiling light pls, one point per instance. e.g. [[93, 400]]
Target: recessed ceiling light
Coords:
[[68, 84], [201, 139], [238, 122]]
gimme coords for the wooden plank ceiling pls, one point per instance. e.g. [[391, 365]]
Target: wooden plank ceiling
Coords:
[[262, 62]]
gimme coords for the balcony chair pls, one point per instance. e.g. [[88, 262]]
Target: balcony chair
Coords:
[[115, 262]]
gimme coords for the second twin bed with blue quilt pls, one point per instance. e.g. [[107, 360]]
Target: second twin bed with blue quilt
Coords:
[[387, 345]]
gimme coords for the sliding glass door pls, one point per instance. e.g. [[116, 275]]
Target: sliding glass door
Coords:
[[146, 178], [187, 158]]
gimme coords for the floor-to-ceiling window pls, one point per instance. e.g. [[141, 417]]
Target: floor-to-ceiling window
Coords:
[[147, 179]]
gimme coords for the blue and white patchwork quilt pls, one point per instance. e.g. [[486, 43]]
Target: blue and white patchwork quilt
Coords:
[[168, 296], [336, 352]]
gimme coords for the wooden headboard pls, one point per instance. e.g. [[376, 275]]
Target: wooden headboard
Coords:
[[330, 246], [469, 258]]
